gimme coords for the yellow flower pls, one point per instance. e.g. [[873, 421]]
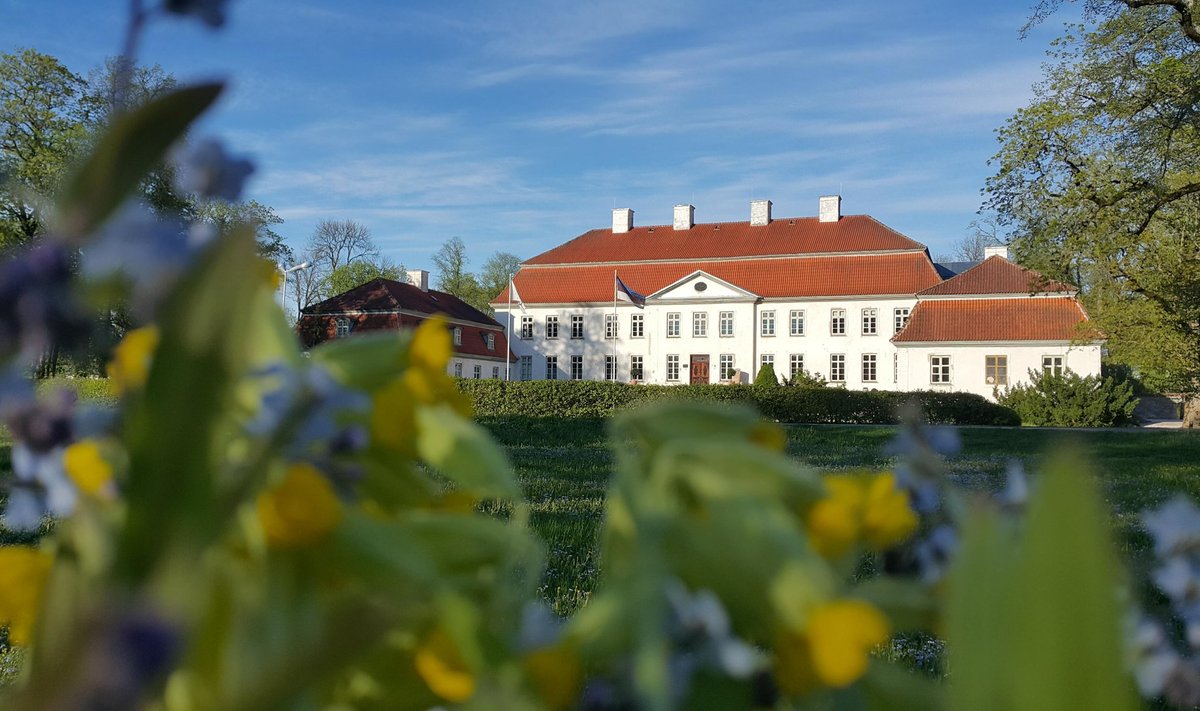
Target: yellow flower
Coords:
[[431, 348], [23, 574], [393, 417], [556, 674], [769, 435], [887, 517], [440, 664], [85, 463], [835, 521], [130, 365], [833, 650], [301, 510], [859, 507]]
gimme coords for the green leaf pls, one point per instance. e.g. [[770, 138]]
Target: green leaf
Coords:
[[368, 361], [888, 687], [134, 144], [909, 604], [464, 453]]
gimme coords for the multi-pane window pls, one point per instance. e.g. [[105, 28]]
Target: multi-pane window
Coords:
[[796, 317], [699, 324], [767, 321], [576, 367], [672, 368], [869, 363], [551, 327], [476, 372], [766, 359], [900, 318], [1052, 364], [895, 367], [837, 368], [869, 321], [635, 368], [526, 327], [551, 367], [577, 327], [527, 367], [343, 327], [726, 363], [457, 336], [673, 326], [837, 322], [495, 372], [610, 327], [610, 367], [796, 366], [939, 369], [726, 323], [637, 325], [458, 370], [491, 341], [995, 370]]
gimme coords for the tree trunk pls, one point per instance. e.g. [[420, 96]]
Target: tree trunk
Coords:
[[1191, 411]]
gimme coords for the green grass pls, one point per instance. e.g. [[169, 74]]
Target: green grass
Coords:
[[564, 467]]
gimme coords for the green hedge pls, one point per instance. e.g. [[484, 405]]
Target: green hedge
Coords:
[[585, 398], [89, 390]]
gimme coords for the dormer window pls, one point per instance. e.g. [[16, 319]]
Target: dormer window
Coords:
[[343, 327], [457, 336], [491, 341]]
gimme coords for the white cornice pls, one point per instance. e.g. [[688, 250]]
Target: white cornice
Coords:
[[753, 257]]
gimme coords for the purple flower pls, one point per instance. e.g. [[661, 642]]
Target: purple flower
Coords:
[[1175, 526], [140, 252], [209, 172], [37, 305]]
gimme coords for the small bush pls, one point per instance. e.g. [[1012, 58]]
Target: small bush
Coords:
[[805, 379], [766, 376], [591, 399], [1068, 399], [89, 390]]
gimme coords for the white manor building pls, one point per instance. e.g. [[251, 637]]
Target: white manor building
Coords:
[[843, 297]]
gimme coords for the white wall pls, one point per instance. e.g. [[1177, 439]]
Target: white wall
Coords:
[[967, 363], [485, 367]]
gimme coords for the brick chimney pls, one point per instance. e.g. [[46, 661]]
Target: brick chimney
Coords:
[[760, 213], [830, 208], [685, 217], [622, 220], [419, 279]]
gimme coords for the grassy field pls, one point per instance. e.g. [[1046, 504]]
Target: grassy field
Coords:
[[564, 467]]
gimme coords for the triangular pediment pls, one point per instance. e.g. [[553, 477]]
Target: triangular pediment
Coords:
[[700, 285]]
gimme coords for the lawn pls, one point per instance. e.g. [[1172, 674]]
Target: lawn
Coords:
[[564, 467]]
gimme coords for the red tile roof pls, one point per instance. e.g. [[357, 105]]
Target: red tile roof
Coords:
[[867, 274], [1008, 319], [997, 275], [388, 295], [802, 235]]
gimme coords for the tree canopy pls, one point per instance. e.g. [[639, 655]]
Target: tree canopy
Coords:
[[1099, 181]]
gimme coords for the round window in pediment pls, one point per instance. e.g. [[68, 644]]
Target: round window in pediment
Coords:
[[701, 286]]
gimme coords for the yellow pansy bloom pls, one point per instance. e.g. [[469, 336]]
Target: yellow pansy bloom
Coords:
[[887, 517], [431, 348], [130, 365], [393, 417], [833, 650], [556, 674], [441, 666], [301, 510], [84, 462], [23, 574]]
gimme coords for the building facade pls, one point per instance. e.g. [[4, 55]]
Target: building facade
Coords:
[[843, 297], [480, 343]]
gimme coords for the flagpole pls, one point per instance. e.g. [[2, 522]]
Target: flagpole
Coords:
[[616, 328], [508, 336]]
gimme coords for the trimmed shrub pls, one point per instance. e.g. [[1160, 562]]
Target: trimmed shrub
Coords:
[[592, 399], [805, 379], [97, 390], [766, 376], [1068, 399]]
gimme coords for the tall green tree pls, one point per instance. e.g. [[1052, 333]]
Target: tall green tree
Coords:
[[495, 273], [223, 215], [1099, 181], [450, 263], [40, 132], [354, 274]]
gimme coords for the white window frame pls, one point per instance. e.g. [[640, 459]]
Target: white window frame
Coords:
[[610, 326], [491, 341], [870, 321], [526, 367], [495, 372], [796, 322], [796, 359], [766, 323], [727, 367], [551, 367], [673, 320], [837, 362], [610, 367], [551, 328], [941, 370], [672, 368], [900, 318], [995, 370], [699, 324], [637, 370], [725, 324], [637, 325], [576, 367], [457, 335], [837, 322], [871, 361], [526, 328], [458, 369], [341, 328], [576, 327], [1054, 363], [477, 372]]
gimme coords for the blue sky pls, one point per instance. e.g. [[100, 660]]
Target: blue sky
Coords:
[[519, 125]]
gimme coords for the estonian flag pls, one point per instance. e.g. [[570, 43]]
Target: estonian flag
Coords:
[[624, 293]]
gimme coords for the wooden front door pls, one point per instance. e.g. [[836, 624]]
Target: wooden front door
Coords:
[[699, 368]]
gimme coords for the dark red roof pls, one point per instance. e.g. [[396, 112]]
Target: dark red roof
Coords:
[[901, 273], [801, 235], [388, 295], [1007, 319], [997, 275]]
